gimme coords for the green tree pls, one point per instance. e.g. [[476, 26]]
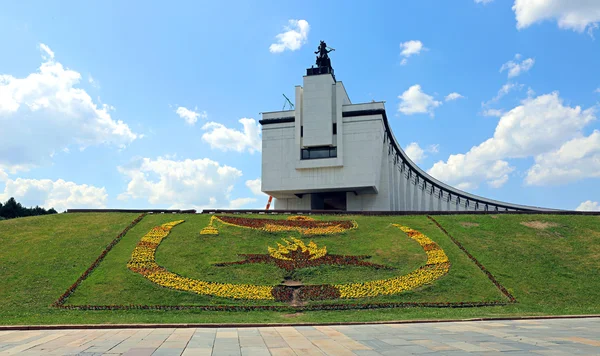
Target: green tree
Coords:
[[13, 209]]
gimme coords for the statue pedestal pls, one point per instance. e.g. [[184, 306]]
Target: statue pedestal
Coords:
[[320, 70]]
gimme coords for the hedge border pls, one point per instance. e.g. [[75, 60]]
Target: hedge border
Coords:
[[288, 308]]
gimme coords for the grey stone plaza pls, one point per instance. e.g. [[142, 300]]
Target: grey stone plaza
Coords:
[[515, 337]]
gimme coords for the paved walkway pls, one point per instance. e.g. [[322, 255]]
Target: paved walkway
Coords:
[[524, 337]]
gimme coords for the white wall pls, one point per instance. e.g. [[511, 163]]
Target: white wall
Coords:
[[318, 110], [357, 166]]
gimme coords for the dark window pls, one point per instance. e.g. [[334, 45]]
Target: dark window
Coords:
[[319, 152], [301, 131], [328, 201], [305, 154], [335, 129]]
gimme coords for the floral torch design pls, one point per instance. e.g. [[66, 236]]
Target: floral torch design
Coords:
[[295, 254]]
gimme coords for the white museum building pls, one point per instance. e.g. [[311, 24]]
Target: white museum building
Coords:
[[330, 154]]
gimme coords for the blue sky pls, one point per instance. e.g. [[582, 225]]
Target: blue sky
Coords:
[[146, 104]]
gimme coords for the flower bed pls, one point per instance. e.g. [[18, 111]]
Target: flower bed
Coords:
[[210, 229], [153, 238], [300, 218], [143, 262], [304, 226], [436, 266], [292, 255], [296, 254]]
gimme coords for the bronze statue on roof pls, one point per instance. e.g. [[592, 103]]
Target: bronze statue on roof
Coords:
[[323, 55]]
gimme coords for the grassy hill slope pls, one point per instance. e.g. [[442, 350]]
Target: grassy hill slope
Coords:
[[549, 263]]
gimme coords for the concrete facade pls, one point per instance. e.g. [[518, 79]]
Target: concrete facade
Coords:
[[366, 169]]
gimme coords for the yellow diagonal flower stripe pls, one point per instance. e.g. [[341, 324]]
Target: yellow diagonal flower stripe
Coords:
[[143, 262], [436, 266]]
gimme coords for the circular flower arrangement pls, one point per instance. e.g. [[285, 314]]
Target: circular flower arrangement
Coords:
[[294, 254]]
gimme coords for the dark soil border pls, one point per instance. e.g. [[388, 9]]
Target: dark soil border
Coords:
[[63, 298], [288, 308], [503, 290]]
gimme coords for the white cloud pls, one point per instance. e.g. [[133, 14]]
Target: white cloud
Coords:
[[537, 126], [46, 113], [483, 1], [226, 139], [418, 154], [59, 194], [576, 15], [414, 152], [516, 68], [493, 112], [410, 48], [503, 91], [93, 82], [295, 35], [185, 184], [414, 101], [597, 90], [588, 205], [47, 53], [576, 159], [190, 116], [254, 186], [241, 203], [453, 96]]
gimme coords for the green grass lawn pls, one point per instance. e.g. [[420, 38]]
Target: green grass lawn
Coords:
[[553, 270]]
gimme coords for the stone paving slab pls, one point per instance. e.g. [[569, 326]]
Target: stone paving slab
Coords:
[[551, 337]]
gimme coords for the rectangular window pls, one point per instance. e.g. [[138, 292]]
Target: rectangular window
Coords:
[[319, 152], [301, 131], [305, 154], [335, 129]]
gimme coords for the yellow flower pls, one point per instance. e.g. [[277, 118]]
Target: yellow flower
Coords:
[[436, 266], [282, 250], [143, 261]]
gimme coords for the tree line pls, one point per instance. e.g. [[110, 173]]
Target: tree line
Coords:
[[12, 209]]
